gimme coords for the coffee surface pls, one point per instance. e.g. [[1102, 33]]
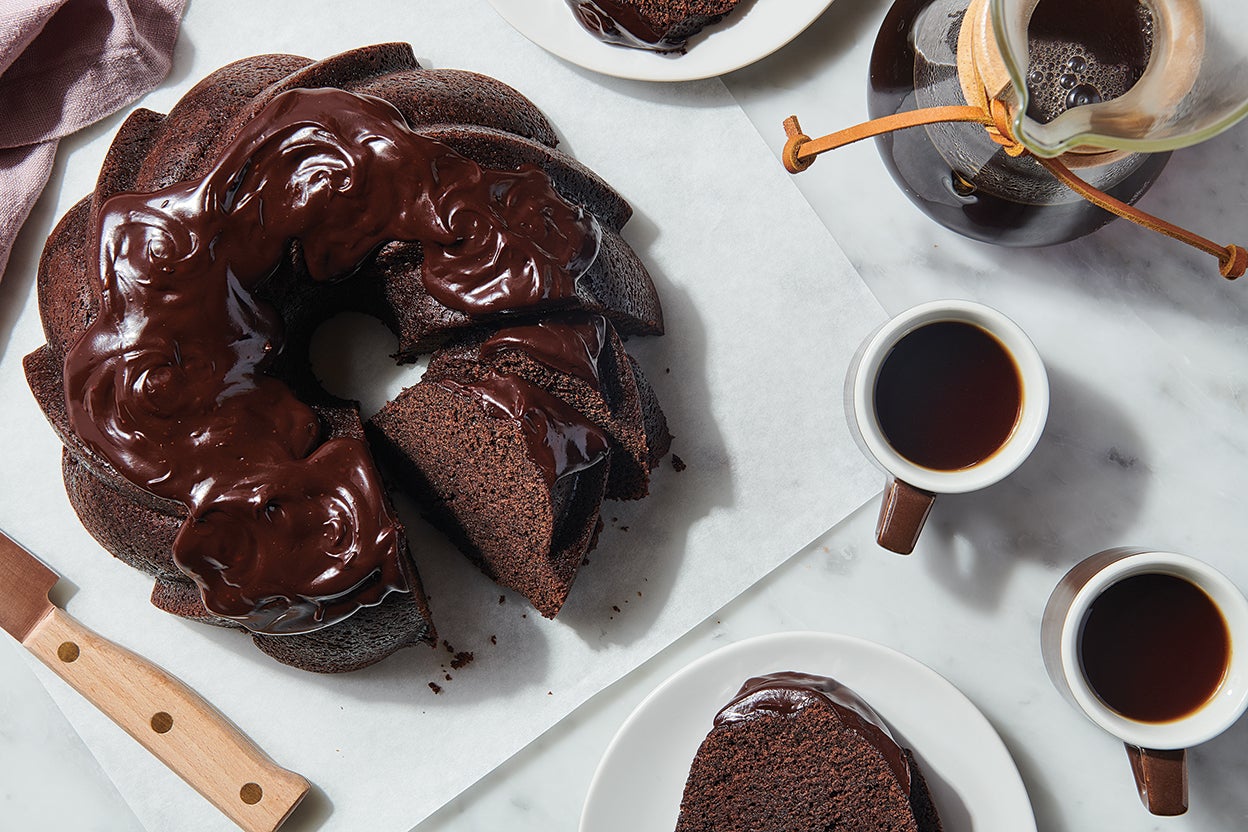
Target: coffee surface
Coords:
[[948, 395], [1083, 53], [1154, 647]]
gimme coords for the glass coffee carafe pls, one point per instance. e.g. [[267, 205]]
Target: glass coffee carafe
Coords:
[[1104, 87]]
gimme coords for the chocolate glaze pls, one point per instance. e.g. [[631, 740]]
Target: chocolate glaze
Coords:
[[287, 534], [569, 343], [614, 22], [787, 692], [560, 439]]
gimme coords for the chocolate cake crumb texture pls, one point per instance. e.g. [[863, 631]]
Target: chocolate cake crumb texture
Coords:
[[792, 753]]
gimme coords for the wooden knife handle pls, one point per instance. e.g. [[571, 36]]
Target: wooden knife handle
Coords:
[[172, 721]]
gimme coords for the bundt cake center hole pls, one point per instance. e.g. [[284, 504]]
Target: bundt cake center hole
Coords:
[[352, 355]]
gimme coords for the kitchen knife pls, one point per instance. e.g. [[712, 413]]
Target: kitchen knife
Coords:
[[167, 718]]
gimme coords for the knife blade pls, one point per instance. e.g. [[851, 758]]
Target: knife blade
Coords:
[[167, 718]]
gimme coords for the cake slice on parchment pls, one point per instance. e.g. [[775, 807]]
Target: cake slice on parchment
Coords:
[[578, 358], [514, 476]]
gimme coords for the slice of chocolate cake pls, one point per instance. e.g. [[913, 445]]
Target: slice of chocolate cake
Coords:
[[654, 25], [513, 475], [800, 753], [578, 358]]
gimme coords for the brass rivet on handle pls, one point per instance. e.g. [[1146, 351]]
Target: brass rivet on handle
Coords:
[[67, 652], [251, 793], [162, 722]]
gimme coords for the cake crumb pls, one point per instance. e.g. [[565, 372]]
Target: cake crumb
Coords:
[[667, 370], [623, 528], [435, 687], [615, 519], [448, 677], [617, 609], [448, 646], [493, 640], [550, 693], [502, 599], [524, 615], [461, 659], [678, 463], [639, 593]]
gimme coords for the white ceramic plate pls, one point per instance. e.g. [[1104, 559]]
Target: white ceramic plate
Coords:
[[972, 777], [753, 31]]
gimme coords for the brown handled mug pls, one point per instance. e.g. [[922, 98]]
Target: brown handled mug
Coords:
[[911, 414], [1095, 638]]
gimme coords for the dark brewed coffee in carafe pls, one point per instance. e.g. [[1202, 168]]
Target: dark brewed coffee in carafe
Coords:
[[1084, 51], [1081, 52]]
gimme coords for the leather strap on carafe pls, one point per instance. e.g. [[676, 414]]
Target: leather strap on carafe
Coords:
[[1232, 259], [800, 151]]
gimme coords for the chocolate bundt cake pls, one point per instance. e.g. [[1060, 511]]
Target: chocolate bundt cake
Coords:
[[799, 753], [654, 25], [179, 299]]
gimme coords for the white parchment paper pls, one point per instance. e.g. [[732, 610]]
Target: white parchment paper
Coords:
[[763, 313]]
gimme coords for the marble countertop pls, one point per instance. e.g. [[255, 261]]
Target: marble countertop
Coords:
[[1146, 445]]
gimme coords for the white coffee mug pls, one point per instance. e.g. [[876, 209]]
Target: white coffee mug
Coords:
[[1156, 750], [912, 487]]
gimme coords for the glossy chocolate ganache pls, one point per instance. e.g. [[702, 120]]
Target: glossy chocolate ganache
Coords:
[[653, 25], [286, 533], [570, 343], [560, 440]]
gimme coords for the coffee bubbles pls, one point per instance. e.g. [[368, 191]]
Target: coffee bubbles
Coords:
[[1083, 53]]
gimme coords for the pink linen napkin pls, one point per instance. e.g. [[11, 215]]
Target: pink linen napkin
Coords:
[[63, 65]]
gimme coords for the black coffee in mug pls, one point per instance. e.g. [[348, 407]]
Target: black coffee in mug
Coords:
[[1154, 647], [948, 395]]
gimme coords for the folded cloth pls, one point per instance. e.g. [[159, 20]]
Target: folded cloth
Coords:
[[63, 65]]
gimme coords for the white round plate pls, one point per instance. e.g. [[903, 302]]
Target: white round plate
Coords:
[[753, 31], [971, 775]]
